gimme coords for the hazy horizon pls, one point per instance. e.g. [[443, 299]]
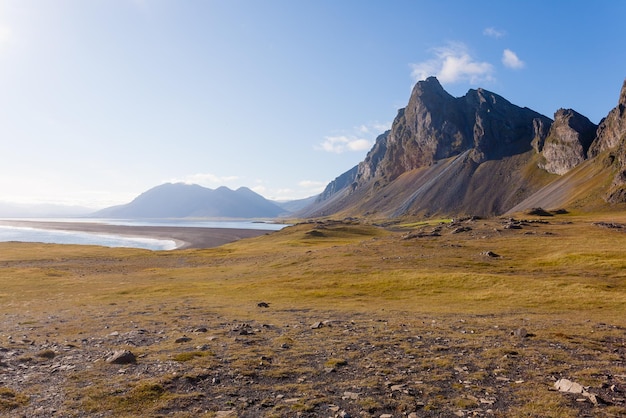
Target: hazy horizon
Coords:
[[102, 101]]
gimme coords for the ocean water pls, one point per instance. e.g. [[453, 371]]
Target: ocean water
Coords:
[[21, 234], [27, 234], [265, 226]]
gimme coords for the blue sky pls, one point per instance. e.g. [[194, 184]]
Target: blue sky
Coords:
[[101, 100]]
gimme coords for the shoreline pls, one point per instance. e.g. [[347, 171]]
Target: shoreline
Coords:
[[184, 237]]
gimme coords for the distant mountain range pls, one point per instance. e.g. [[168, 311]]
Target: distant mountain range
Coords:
[[482, 155], [193, 201]]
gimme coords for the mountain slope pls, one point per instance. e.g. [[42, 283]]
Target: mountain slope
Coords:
[[443, 154], [482, 155], [189, 200], [598, 182]]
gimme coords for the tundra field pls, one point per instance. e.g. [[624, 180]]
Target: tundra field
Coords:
[[466, 317]]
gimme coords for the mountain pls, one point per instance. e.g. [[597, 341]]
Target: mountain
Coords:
[[600, 180], [190, 200], [479, 154], [292, 206]]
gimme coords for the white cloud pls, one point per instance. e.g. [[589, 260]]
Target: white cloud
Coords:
[[262, 190], [5, 34], [453, 63], [343, 143], [494, 33], [360, 138], [312, 184], [511, 60], [375, 128], [306, 188], [205, 179]]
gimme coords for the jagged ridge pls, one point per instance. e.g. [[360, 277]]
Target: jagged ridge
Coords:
[[476, 154]]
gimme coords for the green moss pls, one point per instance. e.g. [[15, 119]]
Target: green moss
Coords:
[[335, 362], [189, 355]]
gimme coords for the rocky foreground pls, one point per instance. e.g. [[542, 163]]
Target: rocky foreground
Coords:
[[121, 343], [314, 364]]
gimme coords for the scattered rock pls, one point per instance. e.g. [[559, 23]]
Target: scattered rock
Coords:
[[121, 357], [491, 254], [610, 225], [333, 408], [539, 212], [317, 325], [395, 388], [567, 386], [292, 400], [263, 305], [520, 333], [182, 339], [350, 395], [225, 414]]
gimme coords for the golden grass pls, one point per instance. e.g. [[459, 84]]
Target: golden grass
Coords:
[[561, 280], [10, 399]]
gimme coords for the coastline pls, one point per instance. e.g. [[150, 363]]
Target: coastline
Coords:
[[184, 237]]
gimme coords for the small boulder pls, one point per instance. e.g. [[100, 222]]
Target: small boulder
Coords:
[[520, 333], [490, 254], [539, 212], [121, 357], [565, 385]]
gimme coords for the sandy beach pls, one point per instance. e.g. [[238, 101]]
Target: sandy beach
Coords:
[[185, 237]]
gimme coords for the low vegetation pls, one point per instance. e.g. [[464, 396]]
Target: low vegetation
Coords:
[[465, 317]]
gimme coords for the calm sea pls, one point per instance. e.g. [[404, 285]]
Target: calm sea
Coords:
[[25, 234]]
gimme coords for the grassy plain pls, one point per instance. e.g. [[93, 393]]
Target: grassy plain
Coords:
[[466, 318]]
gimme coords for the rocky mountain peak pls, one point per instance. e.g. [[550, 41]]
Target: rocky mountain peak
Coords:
[[480, 154], [567, 142], [429, 86], [435, 125]]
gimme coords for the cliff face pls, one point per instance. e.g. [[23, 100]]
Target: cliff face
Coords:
[[343, 181], [611, 136], [436, 125], [612, 128], [567, 143]]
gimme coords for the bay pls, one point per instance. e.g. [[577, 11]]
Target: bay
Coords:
[[28, 234]]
